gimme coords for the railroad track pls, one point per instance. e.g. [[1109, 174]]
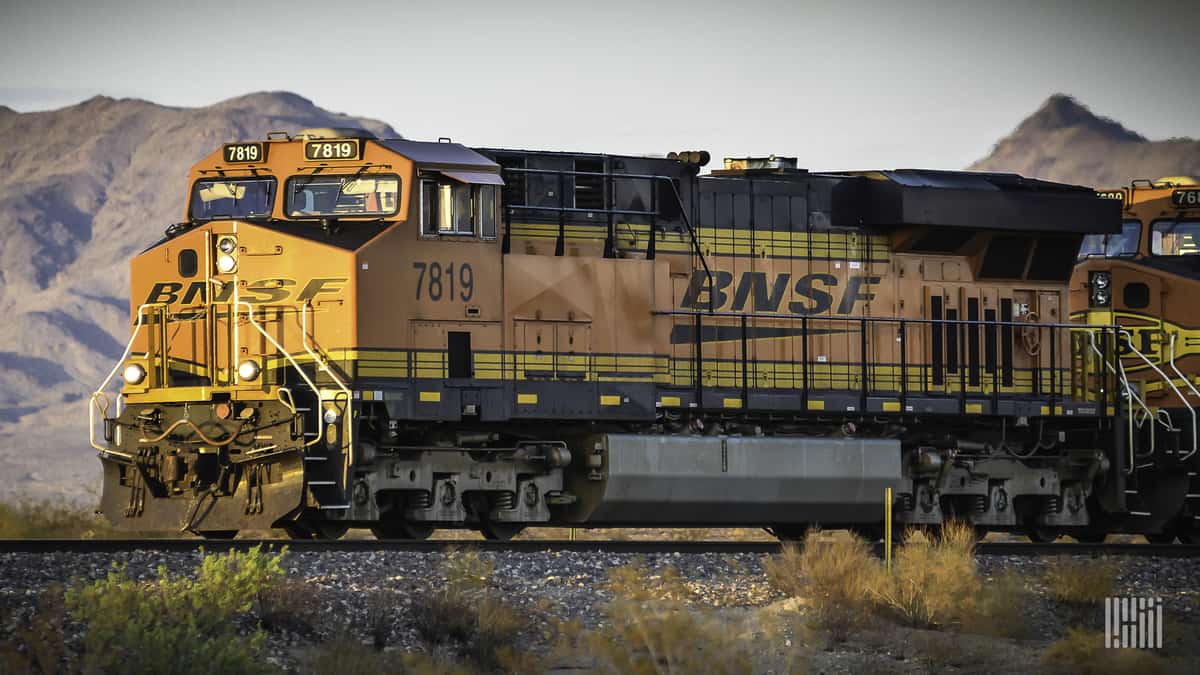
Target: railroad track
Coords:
[[545, 545]]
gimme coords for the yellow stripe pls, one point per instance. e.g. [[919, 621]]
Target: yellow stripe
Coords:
[[527, 399], [733, 403], [974, 408], [816, 405], [609, 399], [891, 406], [431, 397], [670, 402]]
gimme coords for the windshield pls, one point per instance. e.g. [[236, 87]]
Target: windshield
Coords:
[[1175, 237], [233, 198], [1113, 245], [343, 196]]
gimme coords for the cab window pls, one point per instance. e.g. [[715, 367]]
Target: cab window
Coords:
[[232, 198], [462, 209], [1120, 245], [1175, 237], [320, 196]]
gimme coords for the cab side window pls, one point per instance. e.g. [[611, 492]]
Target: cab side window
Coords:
[[458, 209]]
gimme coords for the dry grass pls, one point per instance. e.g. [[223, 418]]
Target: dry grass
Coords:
[[650, 629], [1082, 652], [1001, 607], [933, 585], [836, 578], [28, 519], [290, 605], [468, 618], [346, 656], [38, 645], [636, 583], [1080, 582]]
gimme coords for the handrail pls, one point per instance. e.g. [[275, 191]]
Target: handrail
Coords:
[[94, 403], [1128, 336], [322, 364], [1119, 372], [300, 371], [1191, 386]]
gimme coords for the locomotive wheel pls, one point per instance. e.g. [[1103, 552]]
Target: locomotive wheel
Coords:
[[500, 531], [1042, 535], [219, 534], [1160, 537], [401, 529]]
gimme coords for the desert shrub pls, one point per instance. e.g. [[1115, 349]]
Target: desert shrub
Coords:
[[933, 584], [467, 616], [1000, 607], [649, 628], [1082, 652], [381, 616], [178, 625], [30, 519], [635, 582], [289, 604], [466, 571], [1080, 582], [38, 645], [347, 656], [836, 578]]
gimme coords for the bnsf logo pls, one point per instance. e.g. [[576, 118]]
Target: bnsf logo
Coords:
[[810, 294], [259, 292]]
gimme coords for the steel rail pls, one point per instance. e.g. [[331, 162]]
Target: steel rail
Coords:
[[46, 546]]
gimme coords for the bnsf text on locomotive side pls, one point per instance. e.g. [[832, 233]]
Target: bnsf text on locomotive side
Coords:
[[809, 294], [262, 291]]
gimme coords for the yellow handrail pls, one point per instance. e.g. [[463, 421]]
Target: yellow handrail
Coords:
[[99, 400]]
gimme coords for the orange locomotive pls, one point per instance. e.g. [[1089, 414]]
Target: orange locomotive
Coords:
[[358, 332], [1145, 279]]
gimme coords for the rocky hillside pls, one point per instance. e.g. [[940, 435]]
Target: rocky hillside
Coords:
[[1064, 141], [81, 190]]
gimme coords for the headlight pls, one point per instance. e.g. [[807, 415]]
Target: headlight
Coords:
[[134, 373], [1101, 293], [226, 263], [226, 244], [248, 370]]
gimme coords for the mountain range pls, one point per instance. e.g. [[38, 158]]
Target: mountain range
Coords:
[[84, 188], [1064, 141]]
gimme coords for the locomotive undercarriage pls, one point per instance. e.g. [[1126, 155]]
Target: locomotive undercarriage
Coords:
[[217, 468]]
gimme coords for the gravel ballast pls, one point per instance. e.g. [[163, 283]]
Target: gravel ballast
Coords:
[[550, 586]]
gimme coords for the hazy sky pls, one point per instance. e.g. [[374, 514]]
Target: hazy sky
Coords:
[[838, 84]]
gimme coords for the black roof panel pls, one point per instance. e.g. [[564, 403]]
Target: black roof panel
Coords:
[[996, 201]]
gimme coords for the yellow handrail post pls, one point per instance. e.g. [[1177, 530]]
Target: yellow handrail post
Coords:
[[887, 528]]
